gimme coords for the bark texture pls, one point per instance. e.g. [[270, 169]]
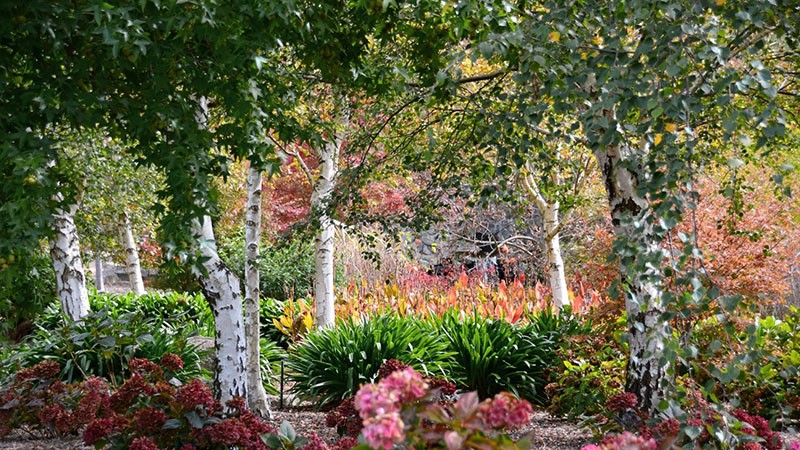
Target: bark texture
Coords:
[[328, 156], [643, 301], [223, 293], [257, 395], [66, 255], [99, 277], [132, 265], [552, 242]]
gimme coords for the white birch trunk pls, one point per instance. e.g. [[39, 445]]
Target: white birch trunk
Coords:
[[99, 278], [132, 265], [68, 266], [223, 293], [555, 264], [323, 243], [257, 401], [552, 242], [644, 291]]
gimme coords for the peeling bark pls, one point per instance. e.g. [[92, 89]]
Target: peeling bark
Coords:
[[323, 243], [68, 266], [132, 265], [555, 264], [552, 242], [257, 401], [223, 293], [644, 291]]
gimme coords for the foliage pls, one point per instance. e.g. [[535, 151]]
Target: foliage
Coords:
[[401, 409], [345, 418], [331, 363], [180, 310], [591, 370], [271, 356], [286, 268], [102, 345], [269, 310], [27, 286], [421, 295], [492, 355], [296, 319]]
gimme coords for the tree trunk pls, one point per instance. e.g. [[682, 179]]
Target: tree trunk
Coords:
[[643, 287], [555, 264], [67, 264], [257, 395], [323, 243], [132, 265], [552, 241], [99, 278], [223, 293]]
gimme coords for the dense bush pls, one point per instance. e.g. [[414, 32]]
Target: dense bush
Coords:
[[401, 411], [491, 356], [101, 345], [286, 268], [591, 370], [330, 364], [179, 310], [27, 286]]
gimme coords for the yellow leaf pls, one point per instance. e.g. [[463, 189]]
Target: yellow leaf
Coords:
[[671, 127], [308, 321], [657, 139], [720, 2], [584, 55], [554, 36]]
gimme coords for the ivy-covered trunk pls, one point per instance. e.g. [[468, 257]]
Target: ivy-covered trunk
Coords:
[[252, 324], [323, 242], [555, 264], [68, 266], [132, 265], [641, 276], [223, 293]]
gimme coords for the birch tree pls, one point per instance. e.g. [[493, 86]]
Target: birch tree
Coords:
[[132, 265], [257, 400], [67, 263]]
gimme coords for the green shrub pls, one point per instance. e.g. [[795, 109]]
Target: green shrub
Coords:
[[330, 364], [592, 369], [271, 356], [271, 308], [102, 344], [491, 356], [286, 268], [27, 286]]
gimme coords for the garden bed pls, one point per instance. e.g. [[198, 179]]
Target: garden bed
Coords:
[[549, 433]]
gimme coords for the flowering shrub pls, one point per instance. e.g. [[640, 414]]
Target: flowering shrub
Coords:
[[401, 408], [38, 402], [346, 418]]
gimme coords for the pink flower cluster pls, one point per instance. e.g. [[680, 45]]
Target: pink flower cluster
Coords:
[[505, 411], [623, 441], [379, 406]]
